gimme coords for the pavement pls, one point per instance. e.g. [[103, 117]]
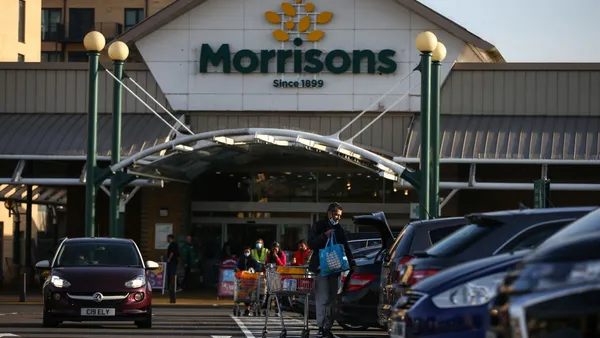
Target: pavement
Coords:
[[25, 321]]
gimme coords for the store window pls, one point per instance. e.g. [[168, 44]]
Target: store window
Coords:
[[51, 19], [285, 187], [78, 57], [133, 16], [222, 186], [21, 20], [350, 188], [51, 57]]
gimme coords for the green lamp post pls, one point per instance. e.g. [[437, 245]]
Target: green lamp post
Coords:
[[94, 42], [438, 55], [118, 52], [426, 43]]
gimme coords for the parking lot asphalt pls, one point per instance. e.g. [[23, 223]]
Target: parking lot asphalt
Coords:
[[213, 322]]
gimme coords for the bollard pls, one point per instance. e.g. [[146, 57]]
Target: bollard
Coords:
[[173, 289], [23, 288]]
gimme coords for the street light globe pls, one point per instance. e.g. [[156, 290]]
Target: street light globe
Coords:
[[439, 54], [118, 51], [426, 41], [94, 41]]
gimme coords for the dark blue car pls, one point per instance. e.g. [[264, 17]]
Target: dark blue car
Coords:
[[454, 302]]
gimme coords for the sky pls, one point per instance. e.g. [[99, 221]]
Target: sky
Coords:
[[531, 30]]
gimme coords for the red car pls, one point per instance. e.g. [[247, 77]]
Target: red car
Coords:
[[97, 279]]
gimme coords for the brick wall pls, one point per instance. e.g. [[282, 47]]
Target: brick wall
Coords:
[[175, 198]]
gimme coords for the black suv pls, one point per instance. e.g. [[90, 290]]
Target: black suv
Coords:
[[554, 291], [489, 234], [416, 236]]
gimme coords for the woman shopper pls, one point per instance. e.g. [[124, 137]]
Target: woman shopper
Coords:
[[246, 263], [275, 257]]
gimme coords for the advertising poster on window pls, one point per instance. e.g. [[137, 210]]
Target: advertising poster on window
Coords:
[[161, 231], [158, 277], [227, 277]]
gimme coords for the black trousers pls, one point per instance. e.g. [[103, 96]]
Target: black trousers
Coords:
[[187, 280]]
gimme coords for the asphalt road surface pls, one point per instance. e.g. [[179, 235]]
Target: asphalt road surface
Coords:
[[212, 322]]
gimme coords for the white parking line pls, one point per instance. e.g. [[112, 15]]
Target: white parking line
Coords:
[[8, 335], [253, 326], [242, 327]]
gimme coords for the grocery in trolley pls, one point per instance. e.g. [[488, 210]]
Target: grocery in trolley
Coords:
[[287, 281], [248, 288]]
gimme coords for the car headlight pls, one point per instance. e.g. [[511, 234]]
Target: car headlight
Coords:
[[59, 282], [473, 293], [137, 282], [544, 276]]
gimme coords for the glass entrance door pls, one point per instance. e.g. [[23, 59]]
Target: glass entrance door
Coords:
[[241, 235]]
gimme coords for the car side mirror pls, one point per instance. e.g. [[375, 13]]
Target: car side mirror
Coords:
[[43, 265], [152, 265]]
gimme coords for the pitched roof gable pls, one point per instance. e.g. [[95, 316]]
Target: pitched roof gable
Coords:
[[180, 7]]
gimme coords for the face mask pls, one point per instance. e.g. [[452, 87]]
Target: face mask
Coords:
[[332, 221], [258, 245], [247, 254], [302, 249]]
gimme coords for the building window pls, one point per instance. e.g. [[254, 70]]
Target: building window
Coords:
[[51, 57], [133, 16], [21, 58], [21, 20], [51, 23], [78, 57]]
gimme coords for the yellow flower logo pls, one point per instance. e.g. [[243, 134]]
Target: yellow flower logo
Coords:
[[297, 19]]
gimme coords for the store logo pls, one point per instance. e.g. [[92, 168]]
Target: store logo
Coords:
[[297, 19], [300, 23]]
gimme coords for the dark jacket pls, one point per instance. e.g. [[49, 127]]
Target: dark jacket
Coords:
[[317, 241], [245, 263]]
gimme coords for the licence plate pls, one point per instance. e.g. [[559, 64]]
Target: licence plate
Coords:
[[98, 312]]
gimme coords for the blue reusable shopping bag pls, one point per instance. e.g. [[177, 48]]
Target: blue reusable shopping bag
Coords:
[[333, 258]]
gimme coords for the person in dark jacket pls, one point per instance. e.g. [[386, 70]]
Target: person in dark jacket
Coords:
[[326, 287], [246, 263]]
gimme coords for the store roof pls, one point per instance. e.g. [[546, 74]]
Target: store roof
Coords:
[[180, 7], [41, 195], [66, 134], [514, 137]]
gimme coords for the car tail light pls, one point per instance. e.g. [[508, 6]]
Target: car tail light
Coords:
[[359, 281], [397, 274], [419, 275]]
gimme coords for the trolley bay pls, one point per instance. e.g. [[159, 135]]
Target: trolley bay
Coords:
[[25, 321]]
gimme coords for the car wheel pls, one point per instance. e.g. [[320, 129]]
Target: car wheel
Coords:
[[352, 327], [48, 320]]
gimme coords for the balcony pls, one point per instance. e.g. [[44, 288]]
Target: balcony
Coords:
[[77, 31], [53, 32]]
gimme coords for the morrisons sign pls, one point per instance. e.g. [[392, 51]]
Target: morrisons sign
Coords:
[[337, 61]]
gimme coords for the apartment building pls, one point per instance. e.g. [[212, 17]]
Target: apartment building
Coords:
[[19, 31], [66, 22]]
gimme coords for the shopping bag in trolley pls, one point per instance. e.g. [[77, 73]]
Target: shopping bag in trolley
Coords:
[[333, 257]]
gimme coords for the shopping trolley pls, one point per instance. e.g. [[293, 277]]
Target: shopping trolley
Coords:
[[248, 289], [287, 281]]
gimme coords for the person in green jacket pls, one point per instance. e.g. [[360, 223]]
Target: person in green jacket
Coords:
[[188, 260]]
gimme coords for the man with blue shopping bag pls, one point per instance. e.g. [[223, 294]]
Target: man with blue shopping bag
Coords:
[[331, 256]]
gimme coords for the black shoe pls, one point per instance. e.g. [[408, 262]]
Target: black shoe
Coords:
[[320, 333], [246, 313]]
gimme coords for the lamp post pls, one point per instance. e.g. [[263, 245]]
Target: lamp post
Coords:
[[438, 55], [118, 52], [94, 42], [426, 43]]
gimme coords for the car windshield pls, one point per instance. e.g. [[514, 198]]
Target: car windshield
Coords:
[[586, 224], [459, 240], [98, 254]]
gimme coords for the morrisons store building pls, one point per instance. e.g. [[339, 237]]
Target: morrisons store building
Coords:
[[310, 66]]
